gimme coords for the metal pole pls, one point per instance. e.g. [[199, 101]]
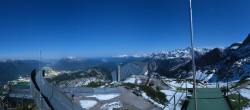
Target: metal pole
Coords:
[[239, 101], [192, 53], [174, 102], [186, 87], [227, 87], [40, 60]]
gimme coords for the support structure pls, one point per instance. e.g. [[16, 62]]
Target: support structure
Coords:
[[40, 59], [192, 53], [118, 73]]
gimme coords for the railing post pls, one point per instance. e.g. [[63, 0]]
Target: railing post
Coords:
[[239, 101], [174, 102], [227, 87], [186, 88]]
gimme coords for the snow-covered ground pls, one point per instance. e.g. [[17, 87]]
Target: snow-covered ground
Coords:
[[133, 79], [202, 75], [144, 95], [87, 104], [130, 80], [111, 106], [178, 95], [175, 84], [247, 108], [102, 97], [245, 93]]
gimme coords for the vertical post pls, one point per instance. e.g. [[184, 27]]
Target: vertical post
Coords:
[[22, 101], [186, 87], [192, 53], [227, 87], [239, 101], [174, 101], [118, 73], [40, 60], [206, 84]]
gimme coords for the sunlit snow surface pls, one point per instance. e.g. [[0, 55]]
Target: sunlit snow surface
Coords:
[[111, 106], [245, 93], [102, 97], [144, 95], [146, 73], [178, 95], [87, 104], [129, 80]]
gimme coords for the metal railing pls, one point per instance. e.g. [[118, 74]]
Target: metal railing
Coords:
[[174, 98], [48, 97], [240, 97]]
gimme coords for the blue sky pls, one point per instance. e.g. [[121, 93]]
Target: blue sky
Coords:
[[95, 28]]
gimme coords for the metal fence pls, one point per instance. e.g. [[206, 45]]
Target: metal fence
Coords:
[[130, 69]]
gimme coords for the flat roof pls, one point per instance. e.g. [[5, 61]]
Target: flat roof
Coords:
[[209, 99]]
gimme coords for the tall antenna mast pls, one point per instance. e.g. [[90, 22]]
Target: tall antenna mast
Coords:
[[40, 60], [192, 53]]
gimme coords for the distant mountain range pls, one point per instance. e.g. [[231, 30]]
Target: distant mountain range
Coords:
[[232, 62], [75, 64], [13, 69], [178, 53]]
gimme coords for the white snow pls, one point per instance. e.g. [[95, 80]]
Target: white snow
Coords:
[[200, 75], [102, 97], [129, 80], [111, 106], [139, 81], [71, 57], [87, 104], [144, 95], [245, 93], [179, 53], [140, 55], [248, 87], [247, 108], [146, 73], [121, 56], [174, 84], [234, 47], [178, 95]]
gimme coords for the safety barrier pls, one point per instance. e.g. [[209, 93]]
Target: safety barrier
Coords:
[[48, 97], [130, 69]]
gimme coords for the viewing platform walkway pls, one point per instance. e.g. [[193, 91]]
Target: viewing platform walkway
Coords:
[[209, 99]]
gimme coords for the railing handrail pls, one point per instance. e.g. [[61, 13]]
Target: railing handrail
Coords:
[[173, 97], [239, 94]]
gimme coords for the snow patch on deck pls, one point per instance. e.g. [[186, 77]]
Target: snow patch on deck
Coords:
[[87, 104], [102, 97]]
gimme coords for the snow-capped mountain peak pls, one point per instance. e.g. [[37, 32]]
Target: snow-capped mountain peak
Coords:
[[179, 53], [121, 56]]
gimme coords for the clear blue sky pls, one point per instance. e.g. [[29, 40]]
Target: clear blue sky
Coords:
[[94, 28]]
